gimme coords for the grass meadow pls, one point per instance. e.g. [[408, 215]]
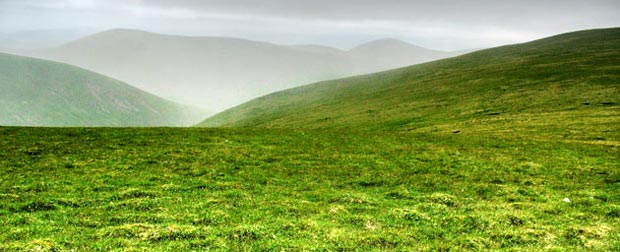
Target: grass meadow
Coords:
[[176, 189]]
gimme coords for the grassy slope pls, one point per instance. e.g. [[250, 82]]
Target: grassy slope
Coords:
[[272, 190], [43, 93], [556, 86]]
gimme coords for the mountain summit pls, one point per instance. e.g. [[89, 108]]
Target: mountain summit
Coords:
[[391, 53]]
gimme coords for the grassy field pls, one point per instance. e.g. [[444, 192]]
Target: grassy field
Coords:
[[165, 189]]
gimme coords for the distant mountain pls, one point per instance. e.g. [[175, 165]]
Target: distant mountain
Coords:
[[557, 85], [36, 92], [218, 72], [387, 54]]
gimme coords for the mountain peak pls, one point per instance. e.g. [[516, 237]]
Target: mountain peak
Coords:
[[388, 44], [122, 30], [388, 41]]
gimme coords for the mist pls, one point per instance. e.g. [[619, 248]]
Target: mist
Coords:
[[216, 73], [440, 25]]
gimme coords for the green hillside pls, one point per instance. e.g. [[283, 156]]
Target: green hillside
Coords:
[[554, 86], [37, 92]]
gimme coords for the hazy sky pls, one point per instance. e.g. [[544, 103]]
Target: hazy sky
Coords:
[[438, 24]]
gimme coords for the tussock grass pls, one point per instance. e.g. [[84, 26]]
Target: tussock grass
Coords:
[[303, 190]]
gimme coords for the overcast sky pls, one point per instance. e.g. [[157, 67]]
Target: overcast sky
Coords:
[[438, 24]]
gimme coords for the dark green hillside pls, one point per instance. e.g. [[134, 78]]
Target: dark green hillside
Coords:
[[553, 86], [37, 92]]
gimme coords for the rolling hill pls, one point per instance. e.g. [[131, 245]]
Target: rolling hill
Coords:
[[387, 54], [36, 92], [567, 83], [217, 73]]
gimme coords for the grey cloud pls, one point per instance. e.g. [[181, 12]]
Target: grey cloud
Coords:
[[448, 24], [472, 11]]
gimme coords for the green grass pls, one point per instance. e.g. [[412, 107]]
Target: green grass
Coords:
[[311, 190], [37, 92]]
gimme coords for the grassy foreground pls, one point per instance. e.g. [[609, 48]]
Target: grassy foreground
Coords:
[[226, 189]]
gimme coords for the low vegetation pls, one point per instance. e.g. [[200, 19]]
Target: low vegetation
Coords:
[[311, 190]]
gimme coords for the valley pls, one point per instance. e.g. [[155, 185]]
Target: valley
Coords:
[[110, 142]]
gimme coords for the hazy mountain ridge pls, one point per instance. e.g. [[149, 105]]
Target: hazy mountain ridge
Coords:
[[370, 54], [217, 72], [36, 92]]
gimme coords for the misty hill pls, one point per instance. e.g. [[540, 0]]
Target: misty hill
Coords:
[[563, 82], [36, 92], [387, 54], [218, 73]]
